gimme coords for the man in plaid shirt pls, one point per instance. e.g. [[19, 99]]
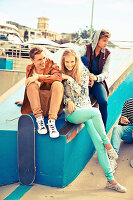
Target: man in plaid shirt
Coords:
[[124, 130]]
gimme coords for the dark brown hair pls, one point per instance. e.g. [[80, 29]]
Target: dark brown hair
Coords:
[[104, 33], [34, 51]]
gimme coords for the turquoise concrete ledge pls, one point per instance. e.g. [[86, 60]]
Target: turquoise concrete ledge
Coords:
[[8, 138], [6, 63], [58, 162], [117, 99]]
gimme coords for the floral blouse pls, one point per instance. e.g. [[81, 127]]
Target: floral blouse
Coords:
[[79, 94]]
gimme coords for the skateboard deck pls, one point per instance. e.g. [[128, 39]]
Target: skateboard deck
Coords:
[[26, 150]]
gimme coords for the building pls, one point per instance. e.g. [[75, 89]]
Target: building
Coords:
[[26, 32], [9, 35], [43, 26], [66, 36], [42, 31], [9, 27]]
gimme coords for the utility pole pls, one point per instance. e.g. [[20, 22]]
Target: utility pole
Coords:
[[92, 18]]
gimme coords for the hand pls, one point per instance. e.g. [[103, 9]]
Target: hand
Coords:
[[91, 83], [124, 120], [71, 107], [30, 80], [65, 77], [92, 77], [19, 103]]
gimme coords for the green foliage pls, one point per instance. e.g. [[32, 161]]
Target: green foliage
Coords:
[[85, 33], [75, 36]]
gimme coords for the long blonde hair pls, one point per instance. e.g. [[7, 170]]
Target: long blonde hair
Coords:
[[76, 71]]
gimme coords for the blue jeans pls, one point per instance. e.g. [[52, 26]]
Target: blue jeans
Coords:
[[99, 91], [121, 132], [91, 117]]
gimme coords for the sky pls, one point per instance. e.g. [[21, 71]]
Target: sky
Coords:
[[73, 15]]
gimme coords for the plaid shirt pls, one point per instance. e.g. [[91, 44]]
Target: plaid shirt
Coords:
[[127, 110]]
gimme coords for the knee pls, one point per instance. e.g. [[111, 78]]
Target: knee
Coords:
[[96, 112], [32, 86], [103, 102], [58, 86], [116, 130]]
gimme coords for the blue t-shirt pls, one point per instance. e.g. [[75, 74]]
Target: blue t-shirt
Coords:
[[94, 68]]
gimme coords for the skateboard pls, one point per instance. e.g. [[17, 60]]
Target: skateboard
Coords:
[[26, 150]]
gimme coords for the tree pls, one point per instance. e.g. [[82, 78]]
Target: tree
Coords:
[[85, 33], [75, 36]]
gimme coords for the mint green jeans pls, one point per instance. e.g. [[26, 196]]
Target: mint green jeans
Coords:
[[92, 119]]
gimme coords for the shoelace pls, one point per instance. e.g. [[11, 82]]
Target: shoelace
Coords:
[[53, 128], [117, 187], [113, 164], [41, 124], [112, 154]]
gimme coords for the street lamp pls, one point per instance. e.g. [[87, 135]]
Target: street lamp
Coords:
[[92, 18]]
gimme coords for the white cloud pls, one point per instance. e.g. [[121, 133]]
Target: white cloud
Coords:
[[121, 5], [3, 17], [68, 2]]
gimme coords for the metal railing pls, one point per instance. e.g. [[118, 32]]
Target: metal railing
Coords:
[[20, 54], [15, 51], [21, 51]]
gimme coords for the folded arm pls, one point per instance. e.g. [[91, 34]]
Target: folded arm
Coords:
[[53, 75]]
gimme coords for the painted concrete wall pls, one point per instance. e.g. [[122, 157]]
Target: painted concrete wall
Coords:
[[8, 138], [9, 79], [117, 99]]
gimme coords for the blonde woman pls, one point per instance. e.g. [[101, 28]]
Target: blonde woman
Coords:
[[78, 110]]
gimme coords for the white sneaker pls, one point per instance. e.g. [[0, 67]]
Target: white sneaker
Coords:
[[117, 187], [52, 129], [112, 154], [113, 164], [131, 163], [41, 125]]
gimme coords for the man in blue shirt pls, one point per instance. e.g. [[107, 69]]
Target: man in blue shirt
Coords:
[[96, 58]]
